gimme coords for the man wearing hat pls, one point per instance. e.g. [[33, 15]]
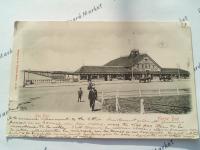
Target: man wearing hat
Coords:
[[92, 97]]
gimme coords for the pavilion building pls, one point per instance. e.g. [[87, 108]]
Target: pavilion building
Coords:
[[128, 67], [131, 67]]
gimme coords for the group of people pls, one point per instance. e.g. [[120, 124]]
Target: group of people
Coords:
[[92, 96]]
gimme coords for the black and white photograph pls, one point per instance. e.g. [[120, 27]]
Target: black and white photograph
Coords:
[[104, 67], [102, 80]]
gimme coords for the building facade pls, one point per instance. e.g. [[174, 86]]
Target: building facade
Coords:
[[131, 67]]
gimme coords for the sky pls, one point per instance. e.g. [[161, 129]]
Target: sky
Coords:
[[66, 46]]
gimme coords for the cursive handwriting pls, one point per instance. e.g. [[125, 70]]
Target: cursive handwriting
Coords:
[[3, 114], [165, 145], [197, 67], [6, 53], [184, 22], [68, 126], [87, 12]]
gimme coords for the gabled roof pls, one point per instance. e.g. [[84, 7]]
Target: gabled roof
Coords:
[[103, 69], [129, 60]]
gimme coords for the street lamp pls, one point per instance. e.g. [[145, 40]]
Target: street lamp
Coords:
[[178, 70], [132, 72]]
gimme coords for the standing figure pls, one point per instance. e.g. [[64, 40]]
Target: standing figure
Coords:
[[90, 85], [92, 98], [95, 93], [80, 93]]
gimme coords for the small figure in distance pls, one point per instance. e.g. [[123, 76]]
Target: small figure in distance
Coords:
[[80, 93], [90, 85]]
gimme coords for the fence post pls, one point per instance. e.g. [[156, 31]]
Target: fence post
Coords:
[[102, 98], [117, 102], [159, 92], [177, 91], [140, 94], [141, 106]]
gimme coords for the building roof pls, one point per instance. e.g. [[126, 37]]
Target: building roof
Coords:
[[103, 69], [129, 60], [174, 71], [123, 65], [52, 72]]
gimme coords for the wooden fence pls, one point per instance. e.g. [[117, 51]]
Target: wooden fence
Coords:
[[142, 94]]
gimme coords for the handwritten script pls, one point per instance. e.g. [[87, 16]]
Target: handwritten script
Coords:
[[165, 145], [95, 127], [87, 12], [6, 53], [197, 67], [3, 114]]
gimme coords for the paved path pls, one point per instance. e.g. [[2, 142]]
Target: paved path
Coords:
[[65, 98], [56, 99]]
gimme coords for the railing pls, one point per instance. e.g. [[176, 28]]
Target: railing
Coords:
[[142, 94], [47, 81]]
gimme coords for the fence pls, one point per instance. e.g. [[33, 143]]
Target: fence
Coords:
[[145, 94], [47, 81]]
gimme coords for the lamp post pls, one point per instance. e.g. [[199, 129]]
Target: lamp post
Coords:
[[132, 73], [24, 82], [178, 70]]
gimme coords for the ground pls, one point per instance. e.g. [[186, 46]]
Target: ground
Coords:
[[65, 99], [176, 104]]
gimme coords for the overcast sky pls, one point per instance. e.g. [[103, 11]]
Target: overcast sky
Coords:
[[67, 46]]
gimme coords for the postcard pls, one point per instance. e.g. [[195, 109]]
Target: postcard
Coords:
[[102, 80]]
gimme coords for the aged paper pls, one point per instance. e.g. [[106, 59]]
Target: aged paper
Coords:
[[102, 80]]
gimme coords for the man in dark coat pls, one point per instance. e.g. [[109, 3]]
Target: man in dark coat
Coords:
[[92, 98], [95, 93]]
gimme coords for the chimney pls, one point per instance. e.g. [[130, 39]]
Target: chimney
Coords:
[[134, 53]]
